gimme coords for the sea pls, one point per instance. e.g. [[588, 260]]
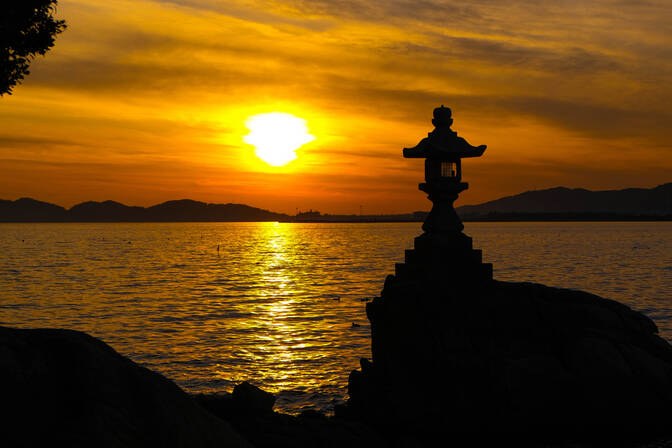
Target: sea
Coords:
[[282, 305]]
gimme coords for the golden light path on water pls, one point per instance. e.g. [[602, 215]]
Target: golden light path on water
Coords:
[[280, 343], [275, 304]]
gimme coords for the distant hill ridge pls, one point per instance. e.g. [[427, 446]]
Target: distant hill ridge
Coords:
[[655, 201], [31, 210], [552, 203]]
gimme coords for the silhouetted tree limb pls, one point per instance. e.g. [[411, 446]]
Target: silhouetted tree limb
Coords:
[[27, 28]]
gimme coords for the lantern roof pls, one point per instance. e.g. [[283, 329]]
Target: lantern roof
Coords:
[[443, 142]]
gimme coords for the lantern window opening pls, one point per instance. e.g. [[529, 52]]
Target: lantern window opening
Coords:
[[448, 169]]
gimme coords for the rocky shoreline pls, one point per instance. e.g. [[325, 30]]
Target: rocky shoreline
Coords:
[[512, 360], [518, 364], [66, 388]]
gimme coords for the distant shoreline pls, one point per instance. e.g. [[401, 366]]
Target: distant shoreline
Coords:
[[494, 219], [491, 217], [369, 220]]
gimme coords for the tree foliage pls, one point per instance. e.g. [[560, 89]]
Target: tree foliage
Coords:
[[27, 28]]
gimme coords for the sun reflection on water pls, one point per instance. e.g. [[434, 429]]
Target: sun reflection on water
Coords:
[[288, 334]]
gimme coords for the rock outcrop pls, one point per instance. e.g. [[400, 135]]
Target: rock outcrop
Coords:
[[250, 411], [492, 357], [66, 388]]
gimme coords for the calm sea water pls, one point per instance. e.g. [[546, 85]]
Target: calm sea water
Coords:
[[276, 303]]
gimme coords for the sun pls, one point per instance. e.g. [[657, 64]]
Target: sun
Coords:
[[276, 135]]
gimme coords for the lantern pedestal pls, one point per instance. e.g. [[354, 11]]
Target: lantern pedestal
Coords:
[[442, 219]]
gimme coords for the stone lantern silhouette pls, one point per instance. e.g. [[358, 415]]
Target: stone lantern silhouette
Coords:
[[443, 245], [459, 356]]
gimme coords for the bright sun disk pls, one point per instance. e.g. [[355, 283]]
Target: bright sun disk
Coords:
[[276, 135]]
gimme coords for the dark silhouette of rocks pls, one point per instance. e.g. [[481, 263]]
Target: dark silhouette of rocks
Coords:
[[511, 358], [253, 399], [631, 201], [250, 411], [30, 210], [66, 388], [458, 354]]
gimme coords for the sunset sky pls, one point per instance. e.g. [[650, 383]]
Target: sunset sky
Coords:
[[146, 101]]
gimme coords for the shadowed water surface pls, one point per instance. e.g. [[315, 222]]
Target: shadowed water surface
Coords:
[[275, 305]]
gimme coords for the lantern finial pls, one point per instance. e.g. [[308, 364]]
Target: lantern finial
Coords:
[[442, 117]]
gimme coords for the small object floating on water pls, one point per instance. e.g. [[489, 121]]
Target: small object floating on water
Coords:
[[355, 324]]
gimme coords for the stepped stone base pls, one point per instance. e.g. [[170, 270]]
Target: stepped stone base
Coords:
[[438, 258]]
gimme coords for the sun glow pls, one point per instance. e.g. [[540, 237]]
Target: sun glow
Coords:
[[276, 136]]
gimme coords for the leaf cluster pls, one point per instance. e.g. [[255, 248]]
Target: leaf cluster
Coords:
[[27, 28]]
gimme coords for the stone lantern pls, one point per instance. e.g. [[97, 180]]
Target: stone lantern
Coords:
[[443, 243], [458, 356]]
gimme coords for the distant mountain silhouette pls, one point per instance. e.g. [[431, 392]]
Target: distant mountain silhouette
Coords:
[[106, 211], [188, 210], [631, 201], [30, 210], [554, 203]]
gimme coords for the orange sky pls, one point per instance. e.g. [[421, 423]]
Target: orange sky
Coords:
[[146, 101]]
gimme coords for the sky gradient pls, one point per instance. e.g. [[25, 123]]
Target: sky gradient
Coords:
[[146, 101]]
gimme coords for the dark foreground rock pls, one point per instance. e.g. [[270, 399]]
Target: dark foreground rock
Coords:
[[250, 411], [66, 388], [509, 364], [515, 360]]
